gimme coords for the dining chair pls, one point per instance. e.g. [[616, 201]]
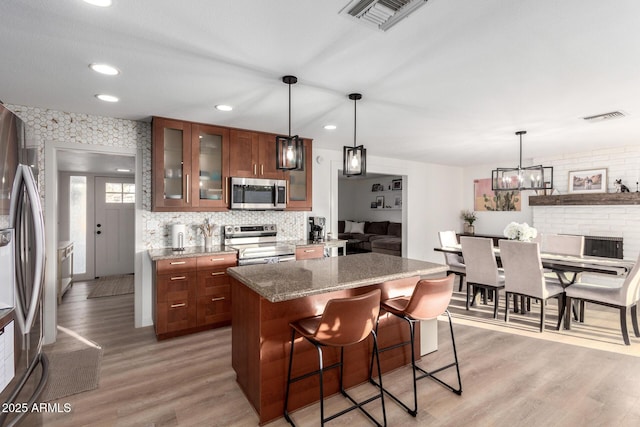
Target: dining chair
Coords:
[[454, 261], [622, 295], [524, 276], [482, 268]]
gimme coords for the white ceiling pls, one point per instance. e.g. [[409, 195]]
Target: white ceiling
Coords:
[[450, 84]]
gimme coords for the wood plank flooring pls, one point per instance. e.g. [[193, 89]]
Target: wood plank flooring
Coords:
[[507, 379]]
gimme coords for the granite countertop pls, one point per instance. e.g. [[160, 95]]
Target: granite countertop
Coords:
[[191, 251], [296, 279]]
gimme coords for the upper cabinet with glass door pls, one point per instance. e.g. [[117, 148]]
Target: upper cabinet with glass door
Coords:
[[190, 166], [210, 151]]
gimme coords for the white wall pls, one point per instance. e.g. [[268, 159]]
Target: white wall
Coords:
[[429, 205]]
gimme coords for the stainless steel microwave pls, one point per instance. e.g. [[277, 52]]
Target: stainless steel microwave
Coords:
[[258, 194]]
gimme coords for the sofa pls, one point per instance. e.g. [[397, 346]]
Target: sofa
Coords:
[[372, 236]]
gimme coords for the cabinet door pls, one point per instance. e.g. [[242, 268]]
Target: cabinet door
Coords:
[[299, 191], [267, 158], [243, 154], [171, 168], [216, 307], [210, 160]]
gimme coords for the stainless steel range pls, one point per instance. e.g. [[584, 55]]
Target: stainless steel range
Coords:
[[258, 244]]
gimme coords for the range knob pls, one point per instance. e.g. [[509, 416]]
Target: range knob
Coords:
[[237, 228]]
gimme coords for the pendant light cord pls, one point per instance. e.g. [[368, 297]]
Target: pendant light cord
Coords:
[[290, 115], [355, 122]]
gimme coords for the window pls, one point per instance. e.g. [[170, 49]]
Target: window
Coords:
[[116, 192], [78, 222]]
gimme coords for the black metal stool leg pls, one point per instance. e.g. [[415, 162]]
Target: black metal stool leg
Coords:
[[286, 393]]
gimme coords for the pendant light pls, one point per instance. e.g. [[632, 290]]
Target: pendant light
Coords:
[[289, 148], [522, 178], [354, 159]]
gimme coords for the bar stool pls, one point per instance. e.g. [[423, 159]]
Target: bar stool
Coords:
[[429, 299], [344, 322]]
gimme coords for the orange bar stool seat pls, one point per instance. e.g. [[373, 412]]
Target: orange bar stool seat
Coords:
[[430, 298], [344, 322]]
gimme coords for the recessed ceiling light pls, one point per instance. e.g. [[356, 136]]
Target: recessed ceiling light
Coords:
[[223, 107], [100, 3], [330, 127], [123, 170], [105, 69], [107, 98]]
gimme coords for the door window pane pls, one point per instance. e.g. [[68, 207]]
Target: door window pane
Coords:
[[116, 192]]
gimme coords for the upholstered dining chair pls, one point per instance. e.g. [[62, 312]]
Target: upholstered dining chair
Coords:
[[454, 261], [524, 276], [482, 268], [622, 295]]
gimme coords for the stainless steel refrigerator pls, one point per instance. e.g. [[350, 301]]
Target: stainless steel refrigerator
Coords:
[[23, 261]]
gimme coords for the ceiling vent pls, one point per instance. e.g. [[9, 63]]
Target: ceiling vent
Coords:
[[381, 14], [605, 116]]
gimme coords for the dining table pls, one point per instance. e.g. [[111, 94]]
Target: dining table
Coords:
[[563, 265]]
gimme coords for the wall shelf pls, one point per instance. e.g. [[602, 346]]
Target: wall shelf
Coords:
[[586, 199]]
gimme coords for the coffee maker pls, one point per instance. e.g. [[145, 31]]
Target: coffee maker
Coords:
[[317, 228]]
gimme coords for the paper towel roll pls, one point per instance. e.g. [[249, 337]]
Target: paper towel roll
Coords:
[[178, 236]]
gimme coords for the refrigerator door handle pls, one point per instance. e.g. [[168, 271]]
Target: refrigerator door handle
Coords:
[[25, 182]]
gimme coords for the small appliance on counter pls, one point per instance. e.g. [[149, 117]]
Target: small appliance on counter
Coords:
[[317, 228], [178, 236]]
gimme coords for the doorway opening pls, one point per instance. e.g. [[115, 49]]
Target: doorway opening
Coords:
[[376, 203]]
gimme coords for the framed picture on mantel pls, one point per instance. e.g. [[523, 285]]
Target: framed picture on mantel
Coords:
[[588, 181]]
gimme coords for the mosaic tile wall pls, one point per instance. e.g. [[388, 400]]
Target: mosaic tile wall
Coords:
[[49, 126]]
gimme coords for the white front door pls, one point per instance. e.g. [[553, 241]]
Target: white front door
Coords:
[[114, 226]]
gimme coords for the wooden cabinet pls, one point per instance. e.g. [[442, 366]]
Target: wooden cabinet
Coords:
[[309, 251], [253, 155], [192, 294], [192, 163], [190, 166], [299, 183]]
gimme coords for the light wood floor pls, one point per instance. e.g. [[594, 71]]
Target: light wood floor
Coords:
[[188, 381]]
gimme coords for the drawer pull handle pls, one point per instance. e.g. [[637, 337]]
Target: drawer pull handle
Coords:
[[216, 259], [178, 262], [217, 273], [179, 278], [217, 299], [310, 250], [182, 304]]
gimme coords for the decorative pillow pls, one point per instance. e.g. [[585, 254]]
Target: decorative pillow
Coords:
[[357, 227], [347, 226]]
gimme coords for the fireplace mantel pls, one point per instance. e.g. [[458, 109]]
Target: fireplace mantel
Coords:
[[586, 199]]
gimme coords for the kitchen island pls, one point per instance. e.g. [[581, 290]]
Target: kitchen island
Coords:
[[267, 297]]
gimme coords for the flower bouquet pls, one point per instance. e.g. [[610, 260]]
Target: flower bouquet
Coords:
[[522, 232]]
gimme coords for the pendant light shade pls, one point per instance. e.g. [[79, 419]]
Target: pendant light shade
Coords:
[[354, 159], [522, 178], [289, 149]]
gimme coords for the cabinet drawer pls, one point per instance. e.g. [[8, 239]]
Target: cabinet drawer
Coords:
[[310, 252], [176, 315], [226, 260], [210, 279], [176, 286], [216, 307], [177, 265]]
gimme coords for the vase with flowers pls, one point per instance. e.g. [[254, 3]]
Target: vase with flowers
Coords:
[[469, 217], [208, 230], [522, 232]]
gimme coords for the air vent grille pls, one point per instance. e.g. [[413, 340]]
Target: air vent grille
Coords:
[[381, 14], [605, 116]]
